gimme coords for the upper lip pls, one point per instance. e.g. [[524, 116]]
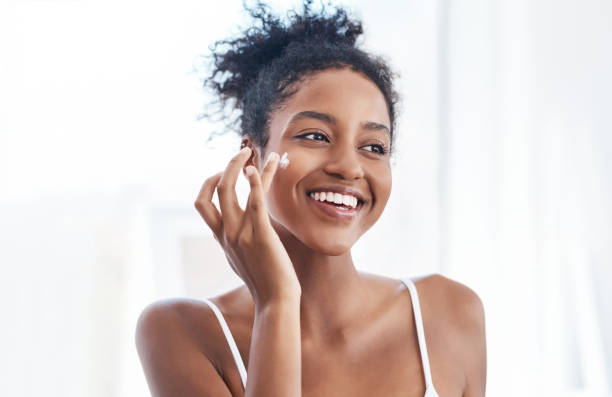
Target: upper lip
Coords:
[[339, 189]]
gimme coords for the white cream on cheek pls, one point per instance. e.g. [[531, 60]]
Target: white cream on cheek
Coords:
[[284, 161]]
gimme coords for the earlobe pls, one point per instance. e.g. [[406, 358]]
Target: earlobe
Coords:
[[253, 159]]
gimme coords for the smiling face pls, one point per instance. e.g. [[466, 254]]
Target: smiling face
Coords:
[[334, 129]]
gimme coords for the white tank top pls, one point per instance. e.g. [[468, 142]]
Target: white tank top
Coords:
[[430, 391]]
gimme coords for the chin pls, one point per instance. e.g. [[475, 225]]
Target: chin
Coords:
[[328, 242], [331, 247]]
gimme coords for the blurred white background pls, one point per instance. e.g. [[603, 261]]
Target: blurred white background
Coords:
[[502, 180]]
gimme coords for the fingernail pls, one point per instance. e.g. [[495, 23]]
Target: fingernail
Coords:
[[271, 155], [245, 149], [249, 170]]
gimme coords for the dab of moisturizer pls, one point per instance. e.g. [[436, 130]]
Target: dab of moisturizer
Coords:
[[284, 161]]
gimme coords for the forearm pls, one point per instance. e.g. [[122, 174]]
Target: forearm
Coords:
[[275, 358]]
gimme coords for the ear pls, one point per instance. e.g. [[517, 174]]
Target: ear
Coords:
[[254, 160]]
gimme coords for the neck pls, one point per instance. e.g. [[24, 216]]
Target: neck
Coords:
[[334, 293]]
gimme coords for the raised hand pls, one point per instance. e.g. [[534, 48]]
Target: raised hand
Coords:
[[251, 245]]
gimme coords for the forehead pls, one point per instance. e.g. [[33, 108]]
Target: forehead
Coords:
[[349, 96]]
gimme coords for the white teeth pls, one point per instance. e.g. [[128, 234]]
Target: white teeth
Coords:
[[335, 198]]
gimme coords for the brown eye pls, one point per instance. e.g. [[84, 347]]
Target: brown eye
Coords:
[[318, 134], [380, 149]]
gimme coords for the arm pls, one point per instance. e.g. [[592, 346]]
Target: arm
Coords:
[[275, 368]]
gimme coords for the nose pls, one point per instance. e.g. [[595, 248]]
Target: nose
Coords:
[[345, 163]]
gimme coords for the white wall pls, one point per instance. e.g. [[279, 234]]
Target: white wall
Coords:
[[527, 207]]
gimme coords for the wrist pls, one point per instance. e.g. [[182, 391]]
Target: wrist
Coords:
[[287, 300]]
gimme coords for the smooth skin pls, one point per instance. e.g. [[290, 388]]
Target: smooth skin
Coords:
[[306, 322]]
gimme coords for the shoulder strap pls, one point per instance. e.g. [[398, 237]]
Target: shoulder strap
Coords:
[[416, 308], [230, 341]]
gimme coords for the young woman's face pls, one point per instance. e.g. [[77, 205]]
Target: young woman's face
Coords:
[[334, 130]]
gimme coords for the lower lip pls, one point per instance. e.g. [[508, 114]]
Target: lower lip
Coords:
[[333, 210]]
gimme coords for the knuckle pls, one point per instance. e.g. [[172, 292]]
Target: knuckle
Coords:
[[210, 180], [223, 186], [254, 205], [244, 239]]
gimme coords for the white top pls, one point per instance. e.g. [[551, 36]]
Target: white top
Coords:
[[430, 391]]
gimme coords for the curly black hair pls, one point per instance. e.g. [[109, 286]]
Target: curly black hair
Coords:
[[253, 74]]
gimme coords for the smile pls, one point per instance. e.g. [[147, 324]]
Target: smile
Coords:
[[338, 211]]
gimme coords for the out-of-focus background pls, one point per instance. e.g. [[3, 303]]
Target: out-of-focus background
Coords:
[[502, 180]]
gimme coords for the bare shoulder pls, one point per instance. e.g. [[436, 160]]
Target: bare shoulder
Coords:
[[458, 317], [176, 320], [175, 340], [192, 321], [452, 298]]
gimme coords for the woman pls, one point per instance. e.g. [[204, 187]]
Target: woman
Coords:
[[306, 321]]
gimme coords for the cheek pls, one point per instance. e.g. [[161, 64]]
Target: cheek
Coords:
[[285, 187], [386, 185], [298, 164], [382, 189]]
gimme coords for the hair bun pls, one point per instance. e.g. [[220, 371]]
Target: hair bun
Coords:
[[237, 62]]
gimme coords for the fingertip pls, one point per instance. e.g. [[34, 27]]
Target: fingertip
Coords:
[[272, 156]]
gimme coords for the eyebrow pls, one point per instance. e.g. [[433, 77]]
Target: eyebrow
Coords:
[[329, 119], [373, 126]]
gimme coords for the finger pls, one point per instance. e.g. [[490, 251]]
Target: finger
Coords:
[[256, 207], [226, 190], [269, 170], [206, 207]]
